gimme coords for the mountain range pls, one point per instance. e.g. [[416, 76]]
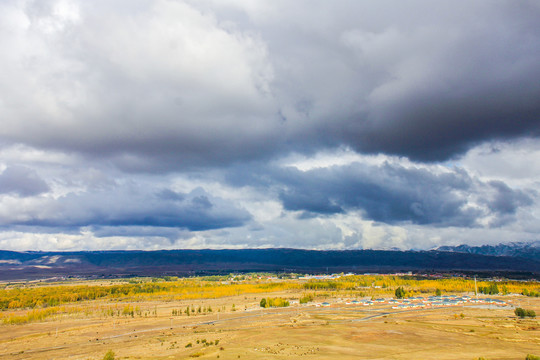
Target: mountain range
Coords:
[[38, 265], [529, 250]]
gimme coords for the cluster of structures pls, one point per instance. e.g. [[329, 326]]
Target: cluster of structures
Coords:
[[440, 301], [422, 302], [324, 276]]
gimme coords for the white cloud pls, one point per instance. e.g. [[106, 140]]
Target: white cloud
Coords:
[[514, 162]]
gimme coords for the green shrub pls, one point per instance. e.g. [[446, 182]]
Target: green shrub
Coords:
[[530, 293], [492, 289], [306, 298], [532, 357], [109, 355], [524, 313]]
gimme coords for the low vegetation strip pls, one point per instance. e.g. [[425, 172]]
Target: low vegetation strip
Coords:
[[46, 297]]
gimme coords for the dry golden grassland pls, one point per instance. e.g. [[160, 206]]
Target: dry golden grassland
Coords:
[[146, 319]]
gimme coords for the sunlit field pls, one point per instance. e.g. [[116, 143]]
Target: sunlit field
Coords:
[[260, 316]]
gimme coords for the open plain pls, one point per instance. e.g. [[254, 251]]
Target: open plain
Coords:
[[338, 321]]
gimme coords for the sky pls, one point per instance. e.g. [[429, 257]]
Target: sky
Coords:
[[154, 124]]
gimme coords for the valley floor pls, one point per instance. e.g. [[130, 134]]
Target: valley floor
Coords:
[[337, 331]]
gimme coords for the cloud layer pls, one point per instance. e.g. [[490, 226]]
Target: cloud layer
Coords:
[[180, 120], [391, 193], [21, 181], [129, 206], [186, 83]]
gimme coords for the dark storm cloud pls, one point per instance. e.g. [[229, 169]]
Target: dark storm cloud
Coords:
[[443, 121], [158, 86], [505, 202], [390, 193], [21, 181], [129, 206], [419, 79], [169, 195], [481, 82]]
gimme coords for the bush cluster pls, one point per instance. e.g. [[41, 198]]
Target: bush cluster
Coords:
[[306, 298], [492, 289], [530, 293], [273, 302], [400, 293], [524, 313]]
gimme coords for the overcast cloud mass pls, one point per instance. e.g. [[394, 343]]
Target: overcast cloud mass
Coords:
[[155, 124]]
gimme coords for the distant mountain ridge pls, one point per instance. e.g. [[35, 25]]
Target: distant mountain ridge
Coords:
[[33, 265], [530, 250]]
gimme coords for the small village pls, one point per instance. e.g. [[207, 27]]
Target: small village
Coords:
[[419, 302]]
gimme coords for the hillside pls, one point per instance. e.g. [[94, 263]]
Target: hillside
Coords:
[[31, 265], [517, 249]]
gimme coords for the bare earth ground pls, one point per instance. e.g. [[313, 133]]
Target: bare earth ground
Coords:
[[339, 331]]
